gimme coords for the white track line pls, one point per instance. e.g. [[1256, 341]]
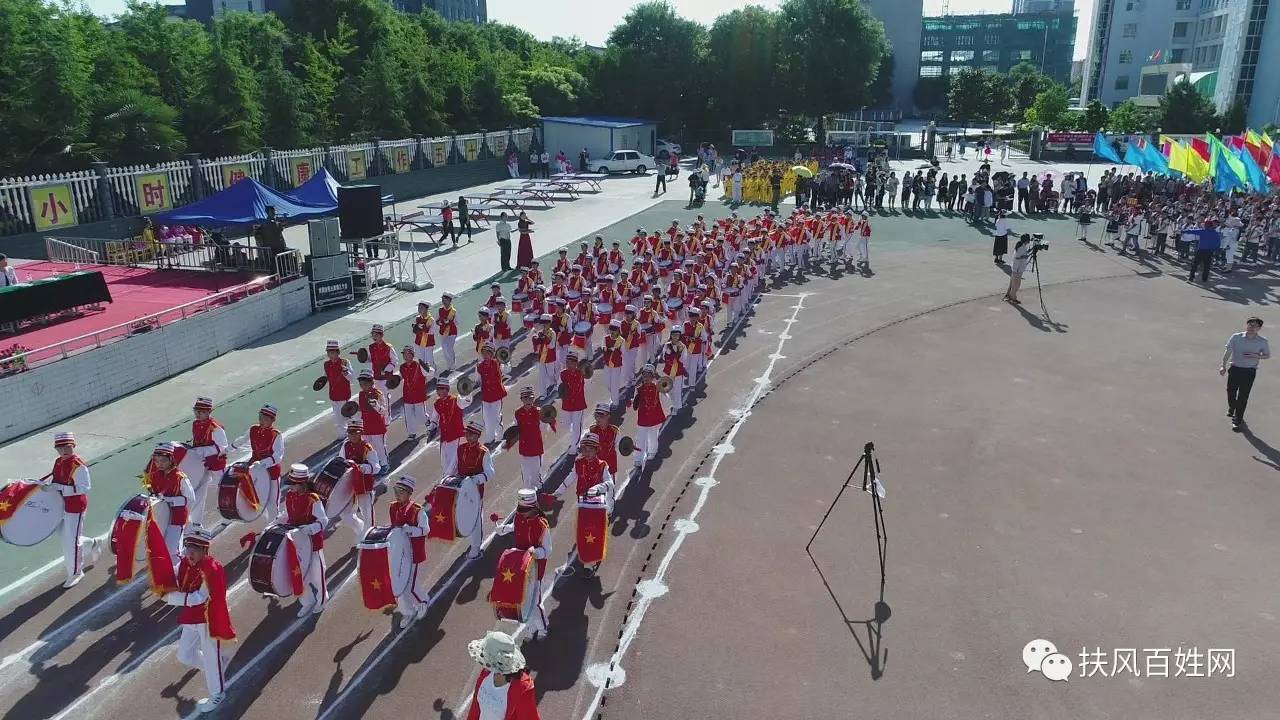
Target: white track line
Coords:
[[725, 447]]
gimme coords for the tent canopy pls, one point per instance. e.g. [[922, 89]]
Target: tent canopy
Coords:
[[321, 189], [245, 203]]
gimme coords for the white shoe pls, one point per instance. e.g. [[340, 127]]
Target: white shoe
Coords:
[[319, 608], [73, 580], [421, 612], [304, 609], [209, 704]]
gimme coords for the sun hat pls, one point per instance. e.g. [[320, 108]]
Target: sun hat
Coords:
[[496, 651]]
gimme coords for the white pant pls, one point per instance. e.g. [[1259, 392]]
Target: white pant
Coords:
[[73, 545], [338, 419], [173, 540], [415, 418], [448, 458], [573, 423], [695, 366], [198, 650], [629, 364], [531, 471], [864, 250], [446, 349], [677, 392], [537, 622], [646, 443], [379, 443], [359, 514], [546, 378], [314, 587], [200, 487], [613, 381], [492, 412], [425, 355], [415, 596]]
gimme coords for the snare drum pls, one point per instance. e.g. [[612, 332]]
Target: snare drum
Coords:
[[515, 586], [604, 313], [244, 492], [458, 500], [572, 295], [593, 529], [664, 265], [517, 302], [582, 327], [674, 304], [385, 559], [335, 487], [129, 538], [280, 561], [38, 514]]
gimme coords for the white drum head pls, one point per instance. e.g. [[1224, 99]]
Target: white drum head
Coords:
[[261, 484], [582, 327], [466, 508], [400, 560], [193, 466], [341, 497], [37, 519], [532, 589]]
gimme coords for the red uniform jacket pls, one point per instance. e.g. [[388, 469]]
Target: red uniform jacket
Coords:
[[339, 383], [415, 383], [298, 508], [648, 405], [358, 454], [528, 534], [544, 346], [423, 336], [608, 452], [449, 415], [491, 387], [169, 484], [447, 320], [210, 574], [529, 420], [373, 408], [64, 471], [590, 472], [481, 334], [502, 326], [202, 436], [612, 345], [471, 459], [575, 391], [381, 355], [262, 441], [408, 514]]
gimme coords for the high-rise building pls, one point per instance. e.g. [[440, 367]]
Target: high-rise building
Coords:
[[901, 20], [998, 42], [1218, 45]]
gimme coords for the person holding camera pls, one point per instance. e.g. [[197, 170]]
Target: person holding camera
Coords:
[[1021, 258]]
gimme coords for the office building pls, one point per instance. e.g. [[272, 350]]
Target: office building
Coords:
[[1139, 46], [901, 19], [1044, 38], [206, 11]]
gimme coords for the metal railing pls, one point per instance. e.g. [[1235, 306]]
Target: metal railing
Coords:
[[62, 251], [138, 252]]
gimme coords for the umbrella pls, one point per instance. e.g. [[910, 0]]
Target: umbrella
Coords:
[[802, 171], [846, 166]]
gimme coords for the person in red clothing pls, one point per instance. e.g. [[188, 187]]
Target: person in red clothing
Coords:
[[633, 338], [382, 358], [607, 434], [482, 332], [543, 339], [304, 509], [475, 465], [446, 410], [492, 392], [502, 325], [374, 408], [201, 592], [532, 532], [266, 448], [208, 441], [424, 336], [529, 422], [364, 467], [612, 348], [590, 477], [171, 485], [504, 689], [573, 399], [70, 478], [338, 376], [447, 328], [414, 392], [649, 415], [416, 521]]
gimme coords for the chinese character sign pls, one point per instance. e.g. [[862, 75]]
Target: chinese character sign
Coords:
[[234, 173], [154, 193], [400, 160], [473, 148], [438, 155], [499, 144], [302, 170], [355, 165], [53, 207]]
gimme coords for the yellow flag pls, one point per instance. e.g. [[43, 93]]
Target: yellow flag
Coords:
[[1197, 167], [1177, 156]]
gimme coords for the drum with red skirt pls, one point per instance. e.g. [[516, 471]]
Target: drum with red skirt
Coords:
[[455, 509], [593, 529], [244, 491], [515, 586], [31, 513], [280, 561], [335, 487], [385, 566]]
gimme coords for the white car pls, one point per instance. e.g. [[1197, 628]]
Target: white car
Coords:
[[625, 161], [665, 148]]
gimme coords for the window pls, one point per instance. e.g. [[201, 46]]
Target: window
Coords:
[[991, 39], [1038, 25], [1178, 56], [1122, 82], [990, 56], [1130, 30], [1128, 7], [1180, 29], [959, 56], [1126, 57], [964, 41], [931, 56], [991, 68], [1184, 4], [930, 71], [1022, 55], [932, 41]]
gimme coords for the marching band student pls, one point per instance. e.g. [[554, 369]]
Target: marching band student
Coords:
[[363, 461], [504, 690], [475, 464], [863, 233], [649, 416], [543, 339], [562, 324], [482, 332], [633, 345], [532, 532], [424, 337], [695, 331], [266, 448], [529, 422], [447, 327], [373, 415], [492, 392], [70, 478], [381, 358], [675, 361], [205, 618], [209, 442], [502, 324], [590, 475], [612, 349], [573, 399], [304, 509], [414, 392], [415, 519], [165, 480], [339, 374], [446, 410], [607, 436]]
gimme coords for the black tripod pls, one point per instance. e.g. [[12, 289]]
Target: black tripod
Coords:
[[870, 465]]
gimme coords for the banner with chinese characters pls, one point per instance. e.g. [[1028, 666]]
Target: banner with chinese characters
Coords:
[[355, 165], [439, 155], [400, 159], [53, 207], [473, 149], [303, 169], [499, 143], [234, 173], [153, 193]]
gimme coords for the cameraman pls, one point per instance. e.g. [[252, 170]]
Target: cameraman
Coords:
[[1021, 258]]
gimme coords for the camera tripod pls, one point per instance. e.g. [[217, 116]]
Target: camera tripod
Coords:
[[870, 465]]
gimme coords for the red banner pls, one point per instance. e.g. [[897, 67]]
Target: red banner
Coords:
[[511, 579], [12, 496], [1069, 138], [375, 574], [295, 568], [442, 515], [124, 542], [593, 534], [247, 487], [159, 561]]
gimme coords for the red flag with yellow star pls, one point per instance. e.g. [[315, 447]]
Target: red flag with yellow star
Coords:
[[375, 576], [443, 527], [295, 567], [593, 532], [12, 496], [510, 581]]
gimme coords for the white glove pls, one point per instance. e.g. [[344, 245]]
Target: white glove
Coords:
[[366, 468], [314, 528], [413, 531], [175, 500], [540, 553]]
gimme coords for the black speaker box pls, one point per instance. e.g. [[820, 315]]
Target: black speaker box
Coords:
[[360, 211]]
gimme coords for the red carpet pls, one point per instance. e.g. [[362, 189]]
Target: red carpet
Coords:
[[135, 293]]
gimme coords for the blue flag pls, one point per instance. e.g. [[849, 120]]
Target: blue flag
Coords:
[[1257, 178], [1133, 156], [1224, 178], [1102, 148], [1156, 160]]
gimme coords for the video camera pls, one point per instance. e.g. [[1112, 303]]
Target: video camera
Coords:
[[1038, 243]]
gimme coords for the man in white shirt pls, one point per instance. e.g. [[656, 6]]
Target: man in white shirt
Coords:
[[503, 232], [8, 276]]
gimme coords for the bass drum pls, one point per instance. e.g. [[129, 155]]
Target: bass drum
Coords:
[[386, 558], [335, 487], [133, 515], [276, 567], [38, 515], [244, 492], [460, 501], [515, 586], [191, 464]]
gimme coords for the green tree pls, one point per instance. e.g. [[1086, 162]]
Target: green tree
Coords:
[[829, 52], [227, 118], [1095, 116], [654, 65], [1071, 120], [1184, 110], [979, 96], [1234, 119], [1048, 107], [1128, 118], [1027, 83], [743, 44]]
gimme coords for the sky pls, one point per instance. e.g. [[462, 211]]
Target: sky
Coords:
[[591, 20]]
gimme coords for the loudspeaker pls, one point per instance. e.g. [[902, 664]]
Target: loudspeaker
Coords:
[[323, 236], [329, 266], [360, 211]]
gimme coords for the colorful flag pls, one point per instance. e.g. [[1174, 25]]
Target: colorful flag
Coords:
[[1273, 169], [1224, 176], [1257, 178], [1198, 169], [1201, 147], [1166, 145], [1102, 148], [1178, 157], [1156, 162], [1133, 156], [1228, 159]]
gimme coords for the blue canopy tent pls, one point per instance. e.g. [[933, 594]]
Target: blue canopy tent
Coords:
[[245, 203], [322, 189]]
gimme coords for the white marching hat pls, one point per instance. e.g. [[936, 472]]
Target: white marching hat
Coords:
[[332, 345], [497, 652], [204, 403], [300, 472], [63, 438], [377, 327], [527, 497], [406, 482]]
